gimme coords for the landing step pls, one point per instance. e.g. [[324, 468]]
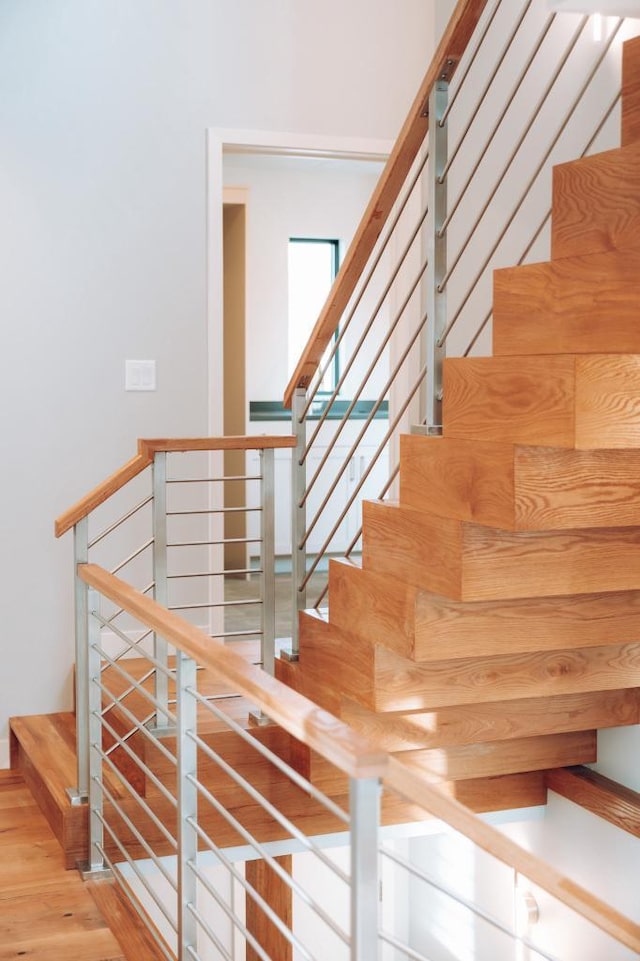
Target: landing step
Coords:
[[43, 751]]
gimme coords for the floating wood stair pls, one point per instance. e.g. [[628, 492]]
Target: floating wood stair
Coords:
[[492, 627]]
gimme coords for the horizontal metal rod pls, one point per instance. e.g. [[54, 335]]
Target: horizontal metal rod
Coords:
[[116, 524], [236, 634], [213, 480], [120, 610], [130, 645], [483, 95], [312, 567], [273, 759], [133, 827], [146, 770], [227, 540], [468, 59], [255, 896], [133, 720], [143, 915], [258, 847], [136, 870], [387, 386], [532, 180], [215, 510], [114, 662], [262, 801], [475, 909], [221, 573], [209, 933], [132, 556], [365, 333], [223, 604], [345, 324], [514, 152]]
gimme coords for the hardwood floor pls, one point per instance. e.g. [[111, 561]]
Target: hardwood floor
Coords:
[[46, 912]]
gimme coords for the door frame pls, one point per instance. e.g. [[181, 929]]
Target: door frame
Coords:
[[219, 141]]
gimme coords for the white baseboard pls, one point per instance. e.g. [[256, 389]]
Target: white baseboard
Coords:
[[4, 752]]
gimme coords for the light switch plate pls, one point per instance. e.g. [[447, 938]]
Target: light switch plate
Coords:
[[139, 375]]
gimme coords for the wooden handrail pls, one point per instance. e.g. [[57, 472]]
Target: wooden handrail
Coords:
[[412, 786], [240, 442], [101, 493], [144, 457], [351, 752], [447, 56]]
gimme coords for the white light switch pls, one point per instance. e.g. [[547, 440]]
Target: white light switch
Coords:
[[139, 375]]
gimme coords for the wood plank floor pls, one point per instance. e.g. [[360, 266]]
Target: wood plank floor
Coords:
[[46, 912]]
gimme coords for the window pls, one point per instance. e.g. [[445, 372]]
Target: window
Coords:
[[313, 265]]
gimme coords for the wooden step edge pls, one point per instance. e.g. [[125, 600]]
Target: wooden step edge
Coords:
[[125, 922], [608, 799], [46, 763]]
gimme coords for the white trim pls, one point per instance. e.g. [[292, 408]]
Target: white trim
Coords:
[[4, 753], [220, 140]]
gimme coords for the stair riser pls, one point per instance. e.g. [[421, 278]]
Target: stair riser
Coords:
[[576, 305], [590, 401], [478, 723], [520, 487], [596, 203]]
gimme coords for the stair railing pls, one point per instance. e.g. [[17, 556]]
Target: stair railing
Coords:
[[186, 531], [299, 837], [512, 90]]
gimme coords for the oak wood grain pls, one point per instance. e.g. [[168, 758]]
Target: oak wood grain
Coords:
[[494, 721], [101, 493], [608, 401], [529, 400], [303, 719], [277, 894], [575, 305], [452, 629], [596, 203], [630, 120], [561, 488], [494, 758], [599, 794], [458, 478], [402, 685], [230, 442]]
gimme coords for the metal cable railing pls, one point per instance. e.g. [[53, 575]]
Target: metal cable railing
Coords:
[[191, 824], [533, 89]]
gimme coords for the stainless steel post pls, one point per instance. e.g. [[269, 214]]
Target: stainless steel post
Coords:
[[268, 547], [298, 519], [437, 254], [96, 864], [364, 807], [187, 798], [80, 793], [160, 593]]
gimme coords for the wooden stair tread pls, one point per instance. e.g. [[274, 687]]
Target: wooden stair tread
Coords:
[[561, 400], [586, 304], [376, 608], [520, 487], [609, 800], [596, 203], [470, 562], [399, 731], [503, 757]]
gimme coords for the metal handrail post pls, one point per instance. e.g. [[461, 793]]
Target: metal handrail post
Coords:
[[268, 546], [80, 793], [95, 865], [364, 806], [437, 253], [298, 518], [187, 805], [160, 590]]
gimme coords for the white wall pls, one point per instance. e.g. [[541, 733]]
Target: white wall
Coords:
[[103, 110]]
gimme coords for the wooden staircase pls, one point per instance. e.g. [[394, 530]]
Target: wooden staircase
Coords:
[[493, 625]]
